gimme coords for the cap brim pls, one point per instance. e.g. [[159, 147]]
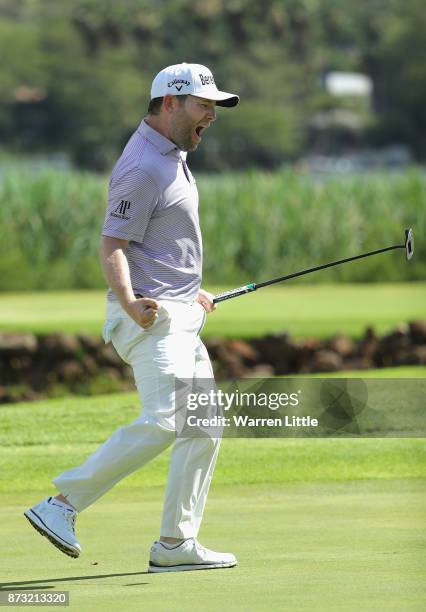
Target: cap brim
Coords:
[[229, 102], [222, 98]]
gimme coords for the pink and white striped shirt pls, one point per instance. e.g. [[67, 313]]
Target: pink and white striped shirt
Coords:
[[153, 203]]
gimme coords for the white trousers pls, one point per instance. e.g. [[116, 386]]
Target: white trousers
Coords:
[[170, 348]]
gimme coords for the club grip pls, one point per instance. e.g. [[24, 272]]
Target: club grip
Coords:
[[227, 295]]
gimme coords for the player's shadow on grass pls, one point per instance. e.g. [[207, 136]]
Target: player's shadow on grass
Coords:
[[32, 584]]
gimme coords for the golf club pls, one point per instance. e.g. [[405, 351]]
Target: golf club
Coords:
[[227, 295]]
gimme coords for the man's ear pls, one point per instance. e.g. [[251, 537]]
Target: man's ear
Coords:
[[169, 103]]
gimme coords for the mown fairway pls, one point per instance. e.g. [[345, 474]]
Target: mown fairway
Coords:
[[320, 310], [322, 524]]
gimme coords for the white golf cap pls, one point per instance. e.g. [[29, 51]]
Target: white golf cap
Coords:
[[183, 79]]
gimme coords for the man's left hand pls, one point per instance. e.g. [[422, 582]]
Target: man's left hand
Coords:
[[206, 300]]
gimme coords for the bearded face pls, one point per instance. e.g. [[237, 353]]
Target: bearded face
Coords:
[[191, 117]]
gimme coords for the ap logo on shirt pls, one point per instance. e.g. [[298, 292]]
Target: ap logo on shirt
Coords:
[[120, 211]]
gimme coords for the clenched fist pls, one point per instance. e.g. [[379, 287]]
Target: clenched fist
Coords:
[[144, 311]]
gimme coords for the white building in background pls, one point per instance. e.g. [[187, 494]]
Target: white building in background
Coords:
[[336, 131], [350, 113], [348, 84]]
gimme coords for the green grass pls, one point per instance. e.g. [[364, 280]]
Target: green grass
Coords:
[[319, 311], [321, 525], [54, 434], [317, 524], [397, 372], [316, 547]]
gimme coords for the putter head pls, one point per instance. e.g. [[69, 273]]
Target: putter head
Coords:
[[409, 242]]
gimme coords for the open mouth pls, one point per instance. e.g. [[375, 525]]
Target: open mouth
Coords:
[[199, 130]]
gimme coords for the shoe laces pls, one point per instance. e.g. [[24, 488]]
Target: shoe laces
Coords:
[[70, 517]]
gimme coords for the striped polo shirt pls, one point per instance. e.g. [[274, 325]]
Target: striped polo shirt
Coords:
[[153, 203]]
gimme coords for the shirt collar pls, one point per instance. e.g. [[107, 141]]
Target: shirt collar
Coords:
[[163, 144]]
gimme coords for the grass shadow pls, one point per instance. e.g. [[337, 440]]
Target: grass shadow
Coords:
[[32, 584]]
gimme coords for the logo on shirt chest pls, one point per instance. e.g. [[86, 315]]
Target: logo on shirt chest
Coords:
[[120, 211]]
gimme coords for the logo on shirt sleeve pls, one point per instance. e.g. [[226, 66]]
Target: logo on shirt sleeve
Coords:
[[120, 211]]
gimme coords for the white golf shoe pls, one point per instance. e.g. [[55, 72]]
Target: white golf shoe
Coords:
[[189, 555], [56, 521]]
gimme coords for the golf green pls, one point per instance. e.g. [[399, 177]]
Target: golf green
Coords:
[[336, 546], [316, 524]]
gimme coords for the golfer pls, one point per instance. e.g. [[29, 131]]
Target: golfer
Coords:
[[151, 255]]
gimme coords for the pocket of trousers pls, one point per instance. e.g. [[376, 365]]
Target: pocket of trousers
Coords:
[[125, 334], [203, 320], [109, 327]]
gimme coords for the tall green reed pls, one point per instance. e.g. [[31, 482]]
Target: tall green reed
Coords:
[[255, 225]]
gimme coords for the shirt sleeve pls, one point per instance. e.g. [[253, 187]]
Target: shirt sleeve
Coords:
[[132, 200]]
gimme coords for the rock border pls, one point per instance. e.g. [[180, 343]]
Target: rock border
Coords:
[[36, 366]]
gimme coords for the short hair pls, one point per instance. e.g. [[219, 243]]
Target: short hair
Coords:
[[154, 106]]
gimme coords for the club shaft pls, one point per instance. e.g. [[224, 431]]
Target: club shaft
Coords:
[[327, 265], [253, 286]]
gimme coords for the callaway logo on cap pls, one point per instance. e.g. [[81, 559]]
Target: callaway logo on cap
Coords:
[[194, 79]]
